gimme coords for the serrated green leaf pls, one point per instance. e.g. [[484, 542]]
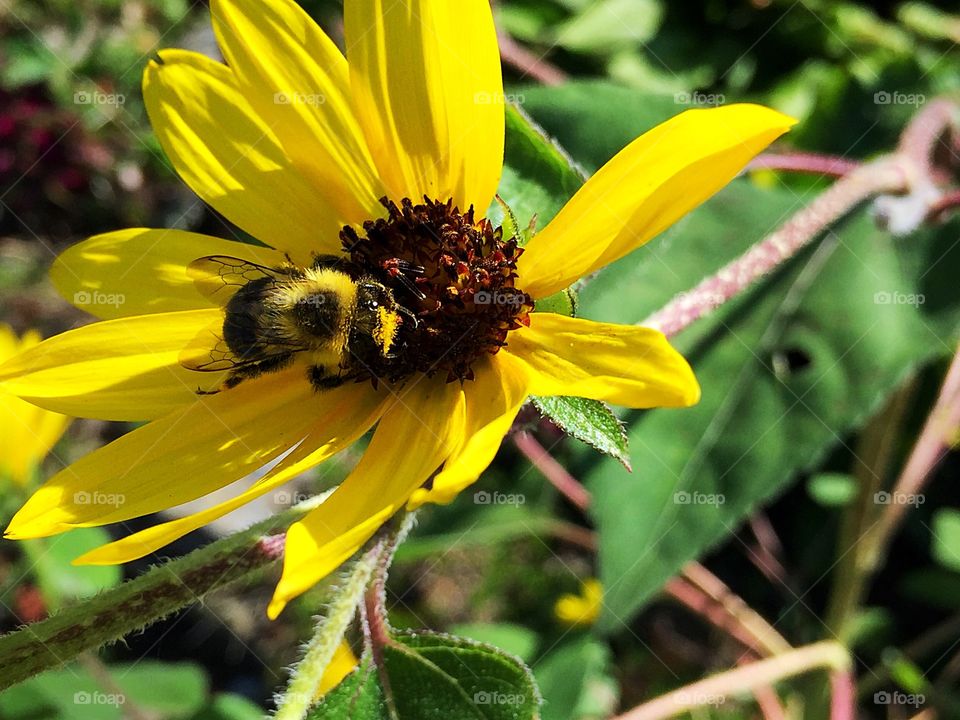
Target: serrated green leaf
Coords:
[[515, 639], [436, 676], [589, 421], [358, 697]]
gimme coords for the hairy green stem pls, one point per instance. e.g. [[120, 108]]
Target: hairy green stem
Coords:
[[302, 690], [160, 591]]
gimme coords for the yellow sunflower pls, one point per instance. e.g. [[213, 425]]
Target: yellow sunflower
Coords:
[[384, 159], [29, 432]]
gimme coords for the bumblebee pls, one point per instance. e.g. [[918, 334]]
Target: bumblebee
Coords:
[[341, 322]]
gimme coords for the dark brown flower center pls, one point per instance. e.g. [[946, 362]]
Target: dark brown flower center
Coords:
[[454, 273]]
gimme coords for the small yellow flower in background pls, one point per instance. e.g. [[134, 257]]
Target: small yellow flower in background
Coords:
[[28, 432], [383, 300], [582, 609], [342, 664]]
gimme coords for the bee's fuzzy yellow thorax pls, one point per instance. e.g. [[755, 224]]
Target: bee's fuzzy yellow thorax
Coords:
[[322, 286]]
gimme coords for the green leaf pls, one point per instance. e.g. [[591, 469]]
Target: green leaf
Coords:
[[608, 25], [170, 691], [59, 579], [358, 697], [435, 676], [538, 177], [946, 538], [227, 706], [787, 370], [514, 639], [832, 489], [564, 302], [575, 681], [495, 524], [589, 421]]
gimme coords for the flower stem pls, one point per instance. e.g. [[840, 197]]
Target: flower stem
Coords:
[[302, 690], [136, 603], [748, 678], [910, 169], [882, 176], [553, 471], [828, 165]]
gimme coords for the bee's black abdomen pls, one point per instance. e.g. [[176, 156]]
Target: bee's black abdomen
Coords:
[[241, 324]]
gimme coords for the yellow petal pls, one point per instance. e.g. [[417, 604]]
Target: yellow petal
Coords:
[[493, 400], [418, 432], [429, 93], [582, 609], [346, 414], [29, 432], [631, 366], [191, 452], [126, 369], [648, 186], [297, 81], [140, 271], [342, 664], [231, 157]]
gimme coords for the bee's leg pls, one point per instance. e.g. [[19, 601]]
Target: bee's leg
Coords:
[[322, 379]]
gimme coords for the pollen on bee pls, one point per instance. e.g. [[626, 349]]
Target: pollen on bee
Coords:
[[386, 330]]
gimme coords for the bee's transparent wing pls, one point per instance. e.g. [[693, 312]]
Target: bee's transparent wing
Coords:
[[208, 352], [218, 277]]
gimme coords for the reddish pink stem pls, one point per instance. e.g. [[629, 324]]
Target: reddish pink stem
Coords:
[[828, 165], [882, 176], [944, 206], [553, 471], [843, 696]]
